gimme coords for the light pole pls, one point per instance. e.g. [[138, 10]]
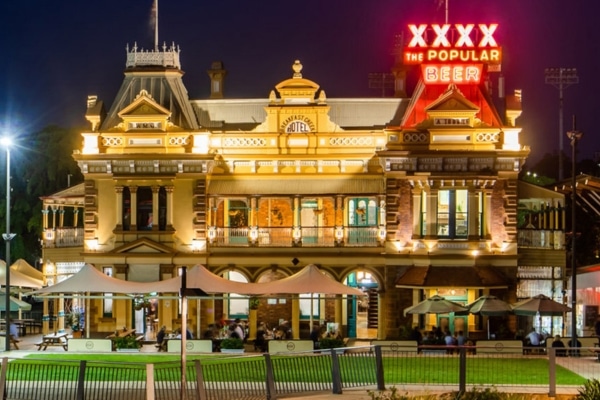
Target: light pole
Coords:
[[561, 78], [6, 142], [574, 136]]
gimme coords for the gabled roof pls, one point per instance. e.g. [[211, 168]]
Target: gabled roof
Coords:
[[452, 99], [144, 245], [475, 96], [165, 85]]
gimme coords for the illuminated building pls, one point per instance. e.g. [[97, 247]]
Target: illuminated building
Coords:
[[403, 197]]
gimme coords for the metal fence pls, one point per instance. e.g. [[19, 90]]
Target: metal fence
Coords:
[[272, 376]]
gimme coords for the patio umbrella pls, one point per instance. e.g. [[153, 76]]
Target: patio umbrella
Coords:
[[435, 305], [15, 304], [541, 304], [489, 306]]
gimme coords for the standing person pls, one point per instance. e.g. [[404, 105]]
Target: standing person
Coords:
[[416, 335], [315, 335], [13, 330]]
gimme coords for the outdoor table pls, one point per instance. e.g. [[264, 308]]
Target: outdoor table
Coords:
[[121, 333], [53, 339]]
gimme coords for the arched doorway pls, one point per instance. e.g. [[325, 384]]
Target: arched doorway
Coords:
[[363, 313]]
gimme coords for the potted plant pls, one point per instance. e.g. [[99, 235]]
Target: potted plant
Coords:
[[126, 344], [232, 345], [75, 322], [332, 343]]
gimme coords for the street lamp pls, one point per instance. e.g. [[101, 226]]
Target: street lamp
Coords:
[[6, 142], [561, 78], [574, 136]]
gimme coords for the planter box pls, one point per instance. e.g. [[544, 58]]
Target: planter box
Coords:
[[128, 350], [232, 351]]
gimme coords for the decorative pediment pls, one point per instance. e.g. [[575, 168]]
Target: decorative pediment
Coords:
[[144, 245], [144, 113], [297, 90], [452, 100]]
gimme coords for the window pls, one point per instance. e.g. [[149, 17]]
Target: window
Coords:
[[107, 303], [144, 207], [306, 301], [452, 215], [362, 212]]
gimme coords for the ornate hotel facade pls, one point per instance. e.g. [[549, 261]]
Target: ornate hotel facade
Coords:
[[402, 197]]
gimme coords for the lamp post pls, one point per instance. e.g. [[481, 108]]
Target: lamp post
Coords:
[[574, 136], [561, 78], [6, 142]]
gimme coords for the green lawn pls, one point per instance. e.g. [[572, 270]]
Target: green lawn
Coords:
[[397, 370]]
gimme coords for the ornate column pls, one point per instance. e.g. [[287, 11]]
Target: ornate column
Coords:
[[119, 207], [487, 214], [169, 189], [417, 199], [473, 214], [133, 204], [431, 222], [155, 190]]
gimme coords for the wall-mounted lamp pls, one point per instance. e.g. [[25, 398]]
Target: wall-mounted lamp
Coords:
[[93, 244], [297, 234], [197, 244], [382, 233], [212, 234], [339, 234], [254, 234]]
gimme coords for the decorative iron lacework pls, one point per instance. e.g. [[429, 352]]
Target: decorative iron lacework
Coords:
[[112, 141], [487, 137], [179, 141], [244, 142], [350, 141], [416, 137]]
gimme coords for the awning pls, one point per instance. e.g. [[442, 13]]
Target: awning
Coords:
[[296, 186], [467, 277]]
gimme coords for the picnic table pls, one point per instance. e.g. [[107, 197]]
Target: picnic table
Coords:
[[53, 339], [122, 333], [13, 340]]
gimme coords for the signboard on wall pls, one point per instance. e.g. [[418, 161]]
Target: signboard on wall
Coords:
[[453, 53]]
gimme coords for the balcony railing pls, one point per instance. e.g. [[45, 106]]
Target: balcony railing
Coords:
[[541, 239], [368, 236], [63, 237]]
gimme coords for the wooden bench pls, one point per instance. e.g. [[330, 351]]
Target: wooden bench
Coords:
[[499, 346], [405, 346], [290, 346], [589, 345], [90, 345]]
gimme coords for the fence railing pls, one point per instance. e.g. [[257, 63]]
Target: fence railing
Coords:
[[270, 376]]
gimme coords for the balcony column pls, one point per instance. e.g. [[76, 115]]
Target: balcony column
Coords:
[[170, 190], [75, 217], [61, 217], [133, 204], [45, 213], [487, 211], [431, 212], [417, 213], [54, 210], [473, 214], [155, 190], [119, 207]]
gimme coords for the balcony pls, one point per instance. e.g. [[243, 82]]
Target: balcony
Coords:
[[63, 237], [541, 239], [369, 236]]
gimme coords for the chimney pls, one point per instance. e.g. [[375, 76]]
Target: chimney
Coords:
[[217, 73]]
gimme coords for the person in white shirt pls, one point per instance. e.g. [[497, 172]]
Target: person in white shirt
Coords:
[[533, 337], [238, 328]]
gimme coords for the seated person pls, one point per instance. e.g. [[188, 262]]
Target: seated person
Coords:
[[13, 330], [233, 332], [416, 335], [560, 346], [160, 338], [533, 339], [574, 352], [260, 343]]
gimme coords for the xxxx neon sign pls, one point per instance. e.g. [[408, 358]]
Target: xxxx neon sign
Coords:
[[458, 43], [463, 35]]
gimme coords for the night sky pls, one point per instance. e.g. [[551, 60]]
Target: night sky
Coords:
[[56, 53]]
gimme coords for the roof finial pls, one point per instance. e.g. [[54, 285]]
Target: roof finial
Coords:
[[297, 67]]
